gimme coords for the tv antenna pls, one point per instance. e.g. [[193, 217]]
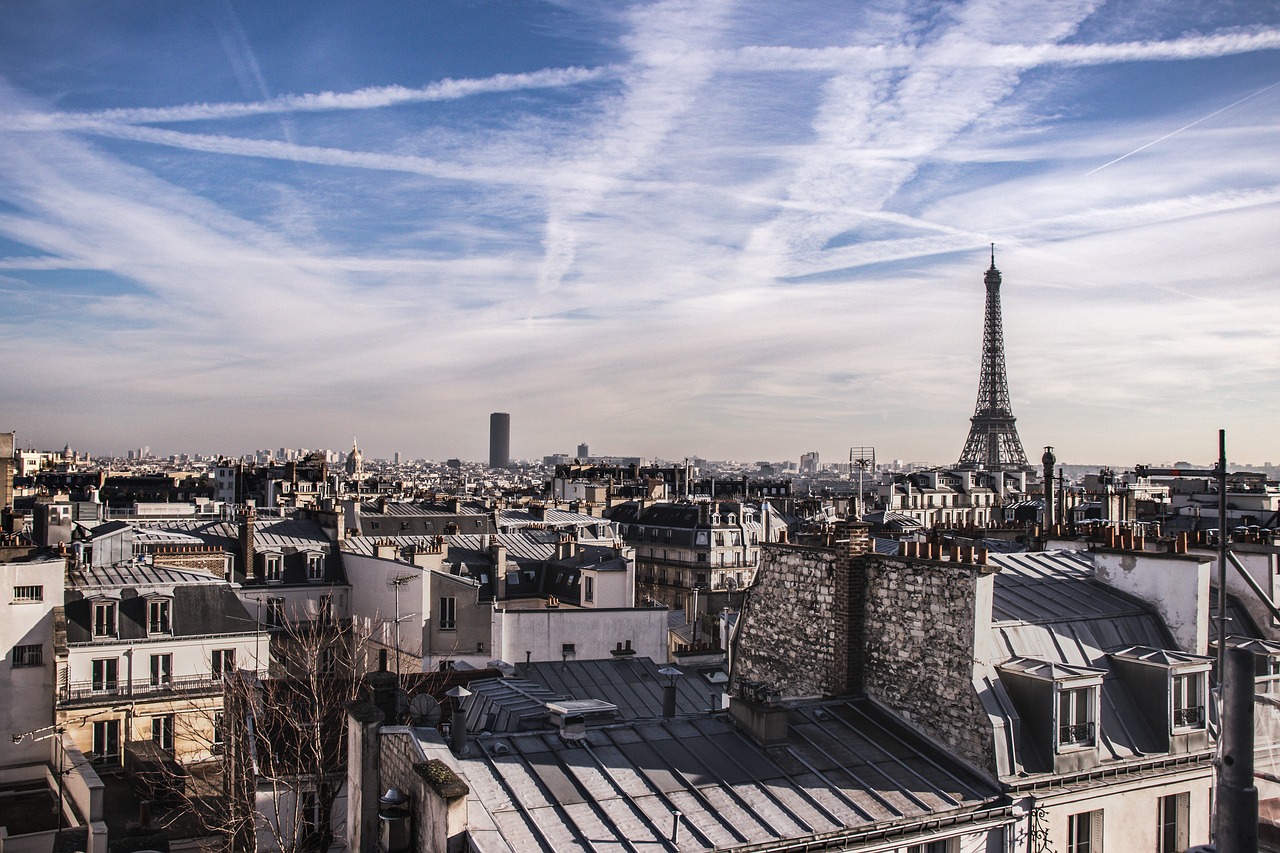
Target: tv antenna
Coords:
[[864, 459]]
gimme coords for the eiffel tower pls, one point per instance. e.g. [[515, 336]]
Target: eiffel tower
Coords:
[[993, 442]]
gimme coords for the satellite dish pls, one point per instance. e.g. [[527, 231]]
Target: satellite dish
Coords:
[[424, 711]]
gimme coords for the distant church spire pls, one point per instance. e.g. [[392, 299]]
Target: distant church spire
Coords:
[[993, 441]]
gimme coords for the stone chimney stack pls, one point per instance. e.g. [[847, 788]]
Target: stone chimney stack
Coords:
[[364, 721], [247, 550]]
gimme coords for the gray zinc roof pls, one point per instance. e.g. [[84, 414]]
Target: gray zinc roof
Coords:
[[630, 683], [846, 771], [1052, 618]]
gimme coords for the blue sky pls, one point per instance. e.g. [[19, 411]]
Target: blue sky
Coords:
[[733, 229]]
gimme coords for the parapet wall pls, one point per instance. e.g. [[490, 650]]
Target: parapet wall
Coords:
[[787, 638], [921, 617]]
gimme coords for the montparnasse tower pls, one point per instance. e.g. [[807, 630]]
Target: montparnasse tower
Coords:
[[993, 442]]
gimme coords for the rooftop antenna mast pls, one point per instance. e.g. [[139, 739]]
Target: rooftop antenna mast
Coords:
[[864, 459]]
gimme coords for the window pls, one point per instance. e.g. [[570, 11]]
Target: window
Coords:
[[224, 661], [161, 670], [448, 620], [275, 612], [567, 650], [104, 619], [275, 568], [28, 593], [106, 741], [28, 655], [219, 729], [1175, 818], [162, 731], [1188, 706], [588, 588], [942, 845], [315, 567], [328, 662], [325, 610], [1075, 716], [158, 616], [1084, 832], [106, 674]]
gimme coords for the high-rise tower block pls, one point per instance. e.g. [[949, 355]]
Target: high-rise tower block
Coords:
[[499, 440]]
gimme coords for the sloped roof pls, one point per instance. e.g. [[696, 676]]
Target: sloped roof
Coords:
[[1052, 618], [285, 533], [1050, 670], [1163, 657], [631, 683], [508, 705], [846, 769]]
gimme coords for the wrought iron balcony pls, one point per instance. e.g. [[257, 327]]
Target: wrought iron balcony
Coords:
[[112, 691], [1188, 717], [1079, 734]]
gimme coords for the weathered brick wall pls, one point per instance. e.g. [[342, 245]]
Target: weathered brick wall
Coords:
[[918, 647], [787, 638]]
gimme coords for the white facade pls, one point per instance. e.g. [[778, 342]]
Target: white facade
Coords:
[[29, 594], [555, 633], [1176, 586]]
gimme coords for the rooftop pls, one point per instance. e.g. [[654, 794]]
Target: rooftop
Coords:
[[846, 770]]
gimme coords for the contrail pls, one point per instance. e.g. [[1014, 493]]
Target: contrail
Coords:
[[1184, 127]]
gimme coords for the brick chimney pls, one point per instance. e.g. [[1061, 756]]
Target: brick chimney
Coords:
[[247, 519], [853, 540]]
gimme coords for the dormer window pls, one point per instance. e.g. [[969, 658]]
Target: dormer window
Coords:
[[315, 567], [275, 568], [1170, 688], [1059, 704], [104, 619], [158, 617], [1076, 725]]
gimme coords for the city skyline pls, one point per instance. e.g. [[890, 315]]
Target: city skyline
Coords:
[[736, 230]]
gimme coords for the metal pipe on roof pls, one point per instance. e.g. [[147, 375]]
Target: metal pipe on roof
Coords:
[[1253, 584], [1222, 550], [1235, 825]]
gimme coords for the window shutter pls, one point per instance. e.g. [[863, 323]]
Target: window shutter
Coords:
[[1184, 820], [1095, 827]]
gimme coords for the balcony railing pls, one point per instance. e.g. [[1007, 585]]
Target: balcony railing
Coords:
[[1078, 734], [112, 690], [1188, 717]]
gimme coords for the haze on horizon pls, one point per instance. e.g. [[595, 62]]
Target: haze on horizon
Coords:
[[740, 230]]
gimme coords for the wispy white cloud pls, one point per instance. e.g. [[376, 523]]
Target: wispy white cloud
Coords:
[[775, 234], [374, 97]]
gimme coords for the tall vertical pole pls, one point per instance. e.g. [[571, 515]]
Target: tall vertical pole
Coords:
[[1222, 553], [1235, 827], [396, 586]]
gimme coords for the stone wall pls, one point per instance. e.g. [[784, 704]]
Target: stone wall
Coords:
[[787, 636], [826, 621], [918, 649]]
